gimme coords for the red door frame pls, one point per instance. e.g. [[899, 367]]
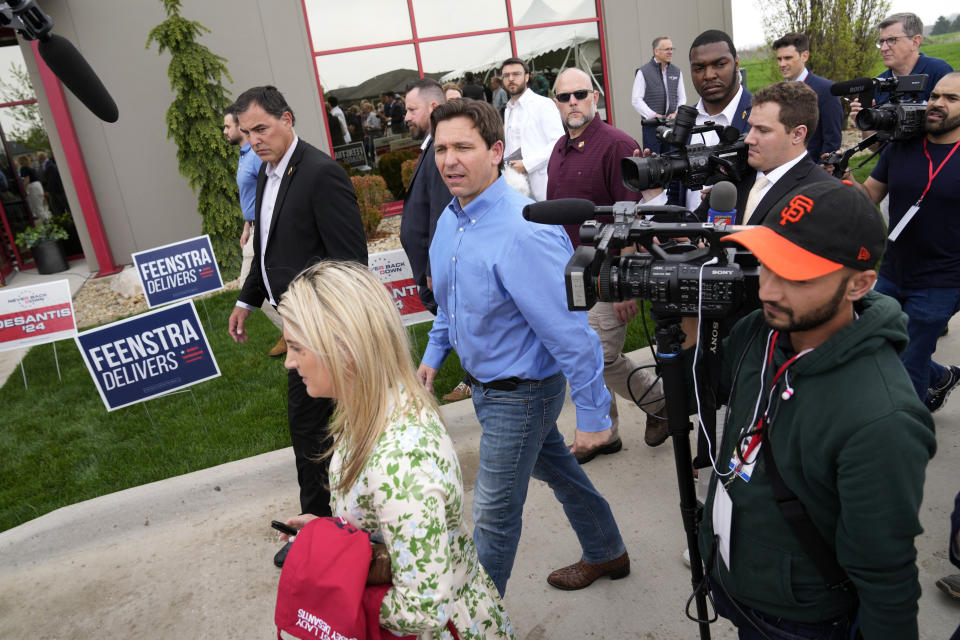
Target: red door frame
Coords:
[[63, 123]]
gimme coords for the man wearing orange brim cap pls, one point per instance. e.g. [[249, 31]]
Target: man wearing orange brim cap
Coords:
[[822, 415]]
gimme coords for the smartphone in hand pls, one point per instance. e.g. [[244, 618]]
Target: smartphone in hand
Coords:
[[283, 528]]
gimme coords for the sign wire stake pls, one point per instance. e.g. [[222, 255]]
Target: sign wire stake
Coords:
[[207, 313], [199, 412], [152, 423], [23, 371], [56, 359]]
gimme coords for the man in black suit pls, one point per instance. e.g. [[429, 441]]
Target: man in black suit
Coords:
[[782, 119], [793, 51], [393, 110], [427, 196], [306, 210]]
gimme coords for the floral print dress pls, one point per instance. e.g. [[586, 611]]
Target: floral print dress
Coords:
[[410, 492]]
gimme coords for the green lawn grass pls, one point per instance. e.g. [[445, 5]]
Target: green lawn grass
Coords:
[[61, 446]]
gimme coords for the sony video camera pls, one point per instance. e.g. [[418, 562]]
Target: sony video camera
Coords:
[[695, 165], [684, 256], [901, 118]]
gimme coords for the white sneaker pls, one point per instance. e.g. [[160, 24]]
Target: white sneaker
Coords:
[[686, 558]]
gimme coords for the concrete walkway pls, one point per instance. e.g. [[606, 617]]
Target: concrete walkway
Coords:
[[191, 556]]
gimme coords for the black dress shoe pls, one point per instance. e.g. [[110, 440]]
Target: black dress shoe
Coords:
[[583, 457], [282, 555]]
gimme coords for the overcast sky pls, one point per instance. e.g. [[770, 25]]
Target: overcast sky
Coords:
[[748, 16]]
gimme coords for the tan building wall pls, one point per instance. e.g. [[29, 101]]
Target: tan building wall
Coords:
[[143, 200], [630, 27]]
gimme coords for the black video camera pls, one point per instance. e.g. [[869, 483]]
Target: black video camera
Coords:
[[902, 118], [685, 255], [695, 165]]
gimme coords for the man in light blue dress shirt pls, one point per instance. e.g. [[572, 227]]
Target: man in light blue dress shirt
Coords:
[[498, 282]]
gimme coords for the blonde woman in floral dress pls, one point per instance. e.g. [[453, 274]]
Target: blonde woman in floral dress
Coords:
[[393, 471]]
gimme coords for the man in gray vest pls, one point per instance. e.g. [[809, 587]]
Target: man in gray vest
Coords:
[[658, 89]]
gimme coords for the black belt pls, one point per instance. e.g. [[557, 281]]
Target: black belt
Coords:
[[504, 384]]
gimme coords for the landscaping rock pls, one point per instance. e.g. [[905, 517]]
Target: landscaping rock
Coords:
[[126, 283]]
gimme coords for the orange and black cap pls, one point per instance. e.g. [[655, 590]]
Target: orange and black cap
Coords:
[[817, 229]]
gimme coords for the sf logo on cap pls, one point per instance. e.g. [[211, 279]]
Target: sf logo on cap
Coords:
[[795, 209]]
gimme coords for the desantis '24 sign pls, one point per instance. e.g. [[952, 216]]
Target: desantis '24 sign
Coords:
[[35, 315]]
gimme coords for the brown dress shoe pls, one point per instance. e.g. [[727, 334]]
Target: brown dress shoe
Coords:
[[460, 392], [278, 349], [657, 430], [583, 574], [583, 457]]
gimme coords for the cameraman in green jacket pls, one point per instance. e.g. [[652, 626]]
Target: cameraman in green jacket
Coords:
[[819, 406]]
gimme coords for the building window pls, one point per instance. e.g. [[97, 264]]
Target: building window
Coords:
[[363, 50]]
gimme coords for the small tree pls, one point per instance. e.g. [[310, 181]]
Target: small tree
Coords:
[[28, 127], [942, 25], [205, 158], [956, 24], [842, 32]]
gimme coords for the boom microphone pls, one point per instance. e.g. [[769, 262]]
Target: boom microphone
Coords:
[[73, 71], [857, 85], [561, 211]]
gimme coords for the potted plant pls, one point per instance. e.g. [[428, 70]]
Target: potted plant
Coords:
[[44, 242]]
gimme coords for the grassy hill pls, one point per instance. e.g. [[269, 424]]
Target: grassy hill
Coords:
[[762, 70]]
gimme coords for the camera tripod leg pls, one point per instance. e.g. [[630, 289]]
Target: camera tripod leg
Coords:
[[669, 345]]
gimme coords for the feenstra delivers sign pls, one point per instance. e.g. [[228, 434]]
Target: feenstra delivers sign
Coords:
[[177, 271], [148, 355]]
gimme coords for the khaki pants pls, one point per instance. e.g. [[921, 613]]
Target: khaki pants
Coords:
[[245, 270], [617, 367]]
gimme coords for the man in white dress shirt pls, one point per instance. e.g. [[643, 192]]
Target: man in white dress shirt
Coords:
[[532, 125]]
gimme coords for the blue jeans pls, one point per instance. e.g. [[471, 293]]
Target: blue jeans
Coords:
[[650, 140], [775, 628], [520, 439], [928, 311]]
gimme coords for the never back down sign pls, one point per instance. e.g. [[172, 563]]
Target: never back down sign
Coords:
[[36, 314], [148, 355], [177, 271]]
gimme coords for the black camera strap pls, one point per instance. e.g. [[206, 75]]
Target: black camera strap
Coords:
[[824, 559]]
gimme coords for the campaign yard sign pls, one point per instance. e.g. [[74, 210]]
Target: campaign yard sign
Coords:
[[352, 153], [177, 271], [148, 355], [393, 269], [36, 314]]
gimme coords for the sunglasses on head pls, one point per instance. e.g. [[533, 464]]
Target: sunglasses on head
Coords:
[[579, 95]]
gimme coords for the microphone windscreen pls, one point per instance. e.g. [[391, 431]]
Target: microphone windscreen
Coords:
[[74, 72], [857, 85], [723, 196], [562, 211]]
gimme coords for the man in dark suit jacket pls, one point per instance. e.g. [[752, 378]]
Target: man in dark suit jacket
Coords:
[[715, 71], [427, 196], [781, 120], [306, 210], [793, 51]]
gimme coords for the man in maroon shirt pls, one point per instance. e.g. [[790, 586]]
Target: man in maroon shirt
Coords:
[[585, 163]]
